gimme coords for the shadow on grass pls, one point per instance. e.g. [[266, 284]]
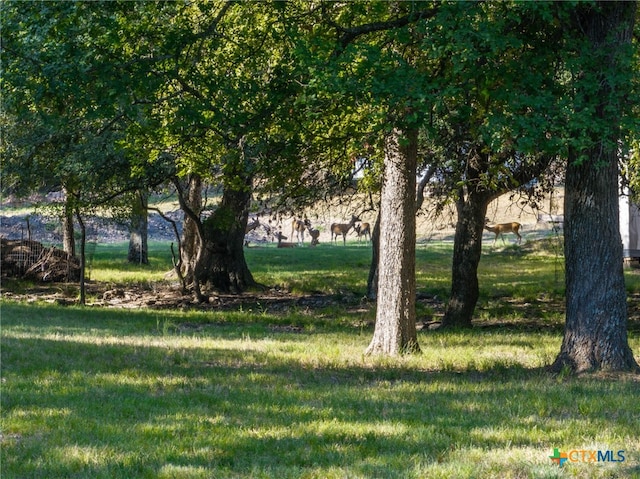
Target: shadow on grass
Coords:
[[72, 408]]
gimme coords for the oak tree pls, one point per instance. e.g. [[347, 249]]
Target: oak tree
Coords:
[[595, 336]]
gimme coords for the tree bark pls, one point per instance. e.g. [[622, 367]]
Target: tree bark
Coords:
[[595, 336], [213, 249], [467, 250], [190, 242], [139, 232], [68, 233], [222, 265], [83, 259], [395, 329], [372, 280]]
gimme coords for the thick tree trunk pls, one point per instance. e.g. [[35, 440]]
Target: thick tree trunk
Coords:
[[138, 230], [595, 336], [467, 250], [223, 265], [213, 250], [395, 330], [372, 280], [596, 302]]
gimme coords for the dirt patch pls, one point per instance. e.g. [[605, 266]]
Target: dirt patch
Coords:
[[166, 296], [278, 302]]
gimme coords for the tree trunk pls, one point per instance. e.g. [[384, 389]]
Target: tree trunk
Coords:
[[83, 257], [596, 302], [138, 236], [68, 234], [190, 242], [595, 336], [471, 207], [467, 250], [222, 265], [395, 330], [213, 250], [372, 280]]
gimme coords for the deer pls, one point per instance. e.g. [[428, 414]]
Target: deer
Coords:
[[282, 244], [363, 229], [298, 227], [502, 228], [313, 232], [252, 226], [343, 229]]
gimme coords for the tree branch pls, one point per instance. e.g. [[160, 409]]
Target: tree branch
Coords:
[[187, 210], [177, 265], [422, 185], [349, 35]]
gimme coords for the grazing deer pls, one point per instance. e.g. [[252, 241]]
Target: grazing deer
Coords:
[[363, 229], [502, 228], [298, 227], [313, 232], [282, 244], [343, 229]]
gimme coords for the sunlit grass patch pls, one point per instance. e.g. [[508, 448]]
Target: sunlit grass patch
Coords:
[[329, 269], [271, 392], [116, 395], [109, 264]]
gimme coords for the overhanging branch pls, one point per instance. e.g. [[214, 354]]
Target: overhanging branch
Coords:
[[349, 35]]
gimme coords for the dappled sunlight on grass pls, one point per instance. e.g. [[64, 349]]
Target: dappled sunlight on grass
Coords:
[[214, 400], [269, 391], [172, 471], [326, 268], [76, 457], [109, 264]]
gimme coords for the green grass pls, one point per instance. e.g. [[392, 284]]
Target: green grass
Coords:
[[324, 269], [108, 263], [97, 393]]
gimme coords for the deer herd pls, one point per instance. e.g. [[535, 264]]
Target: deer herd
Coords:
[[301, 226], [298, 228], [360, 229]]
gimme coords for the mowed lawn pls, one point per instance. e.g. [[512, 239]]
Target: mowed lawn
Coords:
[[287, 393]]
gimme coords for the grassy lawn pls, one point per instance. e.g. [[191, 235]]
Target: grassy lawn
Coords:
[[107, 393]]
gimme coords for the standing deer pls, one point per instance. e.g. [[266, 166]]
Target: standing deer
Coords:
[[343, 229], [502, 228], [363, 229], [313, 232], [298, 227]]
